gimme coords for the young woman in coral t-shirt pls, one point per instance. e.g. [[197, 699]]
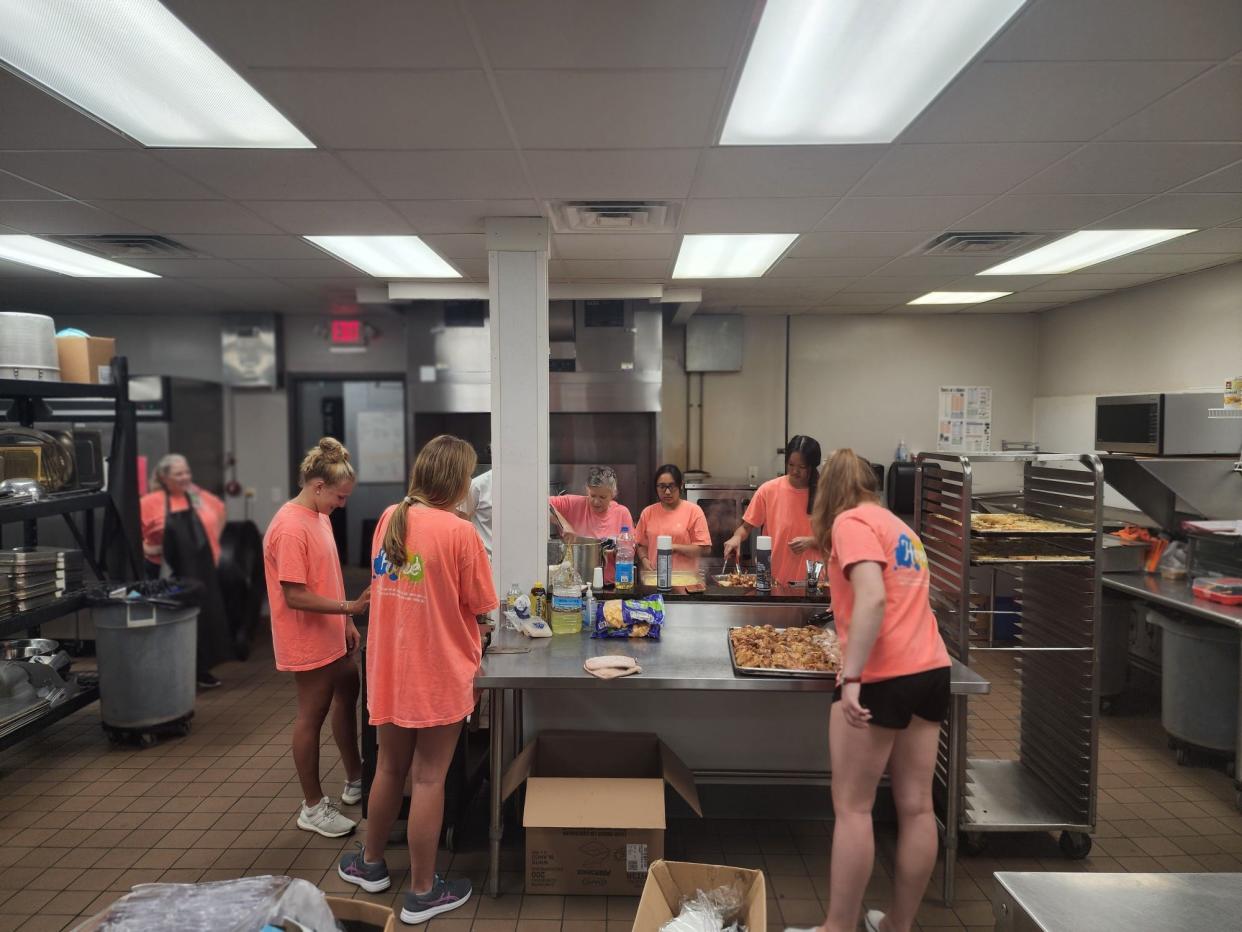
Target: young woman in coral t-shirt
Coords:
[[893, 691], [432, 591]]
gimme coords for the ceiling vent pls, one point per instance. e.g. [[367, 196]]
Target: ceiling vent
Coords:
[[981, 244], [614, 216], [129, 246]]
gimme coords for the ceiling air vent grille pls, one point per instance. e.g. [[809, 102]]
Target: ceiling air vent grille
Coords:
[[129, 246], [981, 244], [614, 216]]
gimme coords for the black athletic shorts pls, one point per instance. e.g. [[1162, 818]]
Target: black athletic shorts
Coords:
[[893, 702]]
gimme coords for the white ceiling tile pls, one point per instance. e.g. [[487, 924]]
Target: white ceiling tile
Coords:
[[1092, 281], [606, 269], [323, 267], [1030, 213], [34, 119], [754, 214], [989, 307], [328, 33], [783, 171], [175, 217], [938, 266], [13, 188], [472, 269], [64, 217], [269, 174], [1044, 101], [1186, 30], [613, 245], [634, 34], [389, 109], [438, 175], [1014, 283], [845, 309], [1131, 167], [861, 245], [643, 173], [877, 299], [1165, 263], [460, 216], [257, 289], [882, 283], [459, 245], [188, 268], [331, 218], [252, 247], [978, 168], [1050, 298], [1226, 181], [1177, 212], [611, 109], [102, 173], [895, 214], [10, 270], [1208, 108], [1222, 240], [838, 267]]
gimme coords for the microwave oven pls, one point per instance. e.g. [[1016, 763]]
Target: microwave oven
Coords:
[[1169, 424]]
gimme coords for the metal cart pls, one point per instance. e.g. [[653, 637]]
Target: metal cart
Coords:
[[1052, 784]]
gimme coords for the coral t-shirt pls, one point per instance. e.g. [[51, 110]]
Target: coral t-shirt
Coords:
[[423, 645], [299, 548], [780, 510], [686, 524], [909, 640], [211, 511], [587, 522]]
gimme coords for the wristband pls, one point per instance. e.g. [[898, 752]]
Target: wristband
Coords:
[[343, 612]]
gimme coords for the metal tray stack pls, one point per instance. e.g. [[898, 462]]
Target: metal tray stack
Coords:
[[31, 577]]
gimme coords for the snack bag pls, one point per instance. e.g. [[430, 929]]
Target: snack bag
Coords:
[[631, 618]]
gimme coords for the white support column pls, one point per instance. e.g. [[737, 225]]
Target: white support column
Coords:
[[518, 282]]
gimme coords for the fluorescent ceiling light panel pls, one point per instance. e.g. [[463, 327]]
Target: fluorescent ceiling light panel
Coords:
[[30, 250], [730, 256], [135, 66], [387, 256], [853, 71], [959, 297], [1081, 249]]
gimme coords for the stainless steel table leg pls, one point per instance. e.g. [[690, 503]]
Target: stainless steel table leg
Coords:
[[1237, 753], [953, 793], [496, 766]]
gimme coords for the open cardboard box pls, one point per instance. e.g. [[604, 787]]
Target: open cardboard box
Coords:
[[362, 916], [670, 882], [86, 360], [594, 813]]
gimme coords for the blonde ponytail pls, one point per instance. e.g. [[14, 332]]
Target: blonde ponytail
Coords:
[[439, 479]]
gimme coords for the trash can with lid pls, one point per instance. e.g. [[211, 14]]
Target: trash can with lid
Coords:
[[146, 636]]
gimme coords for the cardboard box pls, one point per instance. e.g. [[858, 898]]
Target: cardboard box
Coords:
[[86, 360], [594, 812], [359, 915], [669, 882]]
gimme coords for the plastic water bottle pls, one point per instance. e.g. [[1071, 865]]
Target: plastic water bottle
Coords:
[[625, 561], [902, 453]]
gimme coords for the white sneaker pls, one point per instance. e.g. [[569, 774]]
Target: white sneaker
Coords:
[[873, 919], [352, 794], [326, 819]]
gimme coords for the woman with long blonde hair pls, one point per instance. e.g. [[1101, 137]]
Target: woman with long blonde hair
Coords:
[[431, 592], [892, 693]]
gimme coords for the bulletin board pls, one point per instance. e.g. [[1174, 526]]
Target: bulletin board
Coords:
[[964, 419]]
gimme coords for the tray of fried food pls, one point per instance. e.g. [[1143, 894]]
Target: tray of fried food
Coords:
[[762, 650], [1015, 523], [735, 580]]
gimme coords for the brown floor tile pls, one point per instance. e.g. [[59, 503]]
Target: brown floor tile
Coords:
[[585, 908], [542, 907], [508, 907]]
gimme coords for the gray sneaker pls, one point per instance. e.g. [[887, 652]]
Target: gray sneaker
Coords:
[[371, 876], [326, 819], [443, 896]]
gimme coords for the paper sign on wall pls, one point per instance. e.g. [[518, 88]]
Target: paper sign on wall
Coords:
[[965, 419], [381, 447]]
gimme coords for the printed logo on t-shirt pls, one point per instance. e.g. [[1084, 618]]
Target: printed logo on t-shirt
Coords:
[[411, 572], [910, 554]]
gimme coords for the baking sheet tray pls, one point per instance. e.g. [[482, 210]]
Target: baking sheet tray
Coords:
[[1050, 527], [773, 671]]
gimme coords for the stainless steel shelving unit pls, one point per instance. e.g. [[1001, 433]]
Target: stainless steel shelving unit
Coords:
[[1052, 785]]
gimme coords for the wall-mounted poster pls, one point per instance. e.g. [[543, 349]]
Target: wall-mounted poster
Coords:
[[965, 419]]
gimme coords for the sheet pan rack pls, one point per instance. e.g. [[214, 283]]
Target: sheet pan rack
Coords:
[[1052, 784]]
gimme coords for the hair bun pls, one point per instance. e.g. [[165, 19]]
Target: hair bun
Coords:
[[332, 450]]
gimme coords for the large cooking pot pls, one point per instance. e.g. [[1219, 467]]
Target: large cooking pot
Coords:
[[587, 553], [28, 347], [26, 648]]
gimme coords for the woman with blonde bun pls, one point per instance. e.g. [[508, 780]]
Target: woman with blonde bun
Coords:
[[313, 633]]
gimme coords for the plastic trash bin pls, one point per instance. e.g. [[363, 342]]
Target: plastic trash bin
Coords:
[[1199, 682], [146, 636]]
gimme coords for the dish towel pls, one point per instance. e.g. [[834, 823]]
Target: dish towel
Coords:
[[611, 667]]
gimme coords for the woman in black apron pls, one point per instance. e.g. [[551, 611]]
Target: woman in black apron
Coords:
[[188, 553]]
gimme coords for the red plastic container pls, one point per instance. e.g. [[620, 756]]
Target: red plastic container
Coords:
[[1226, 590]]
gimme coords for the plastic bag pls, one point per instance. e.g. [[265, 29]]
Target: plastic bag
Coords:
[[221, 906], [631, 618], [709, 911], [1173, 561]]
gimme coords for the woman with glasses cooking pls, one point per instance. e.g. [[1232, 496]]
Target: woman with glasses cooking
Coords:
[[677, 518]]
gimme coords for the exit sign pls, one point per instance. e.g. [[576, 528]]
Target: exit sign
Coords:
[[346, 331]]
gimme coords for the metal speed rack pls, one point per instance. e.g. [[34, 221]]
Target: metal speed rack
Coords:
[[1051, 786]]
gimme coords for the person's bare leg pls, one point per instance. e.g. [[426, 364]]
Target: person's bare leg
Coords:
[[396, 750], [314, 699], [345, 719], [911, 767], [433, 753], [858, 759]]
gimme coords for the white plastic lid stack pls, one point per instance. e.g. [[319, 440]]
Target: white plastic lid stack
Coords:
[[597, 578]]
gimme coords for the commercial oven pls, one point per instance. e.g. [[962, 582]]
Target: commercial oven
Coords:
[[724, 502]]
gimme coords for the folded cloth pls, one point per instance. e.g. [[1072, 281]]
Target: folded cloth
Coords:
[[611, 667]]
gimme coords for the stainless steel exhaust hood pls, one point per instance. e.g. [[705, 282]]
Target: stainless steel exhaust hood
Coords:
[[1172, 489]]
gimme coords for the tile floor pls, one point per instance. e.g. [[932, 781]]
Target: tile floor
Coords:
[[81, 822]]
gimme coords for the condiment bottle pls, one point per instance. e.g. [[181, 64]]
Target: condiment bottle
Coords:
[[664, 562], [763, 563], [538, 601]]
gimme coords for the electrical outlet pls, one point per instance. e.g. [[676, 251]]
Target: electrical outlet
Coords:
[[752, 473]]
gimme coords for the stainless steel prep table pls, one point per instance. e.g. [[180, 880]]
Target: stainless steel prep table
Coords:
[[1177, 595], [1065, 902], [688, 657]]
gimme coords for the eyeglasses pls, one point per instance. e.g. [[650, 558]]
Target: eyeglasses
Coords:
[[667, 487]]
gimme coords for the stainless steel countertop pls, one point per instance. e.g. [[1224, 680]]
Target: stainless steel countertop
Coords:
[[1174, 593], [1060, 901], [693, 653]]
